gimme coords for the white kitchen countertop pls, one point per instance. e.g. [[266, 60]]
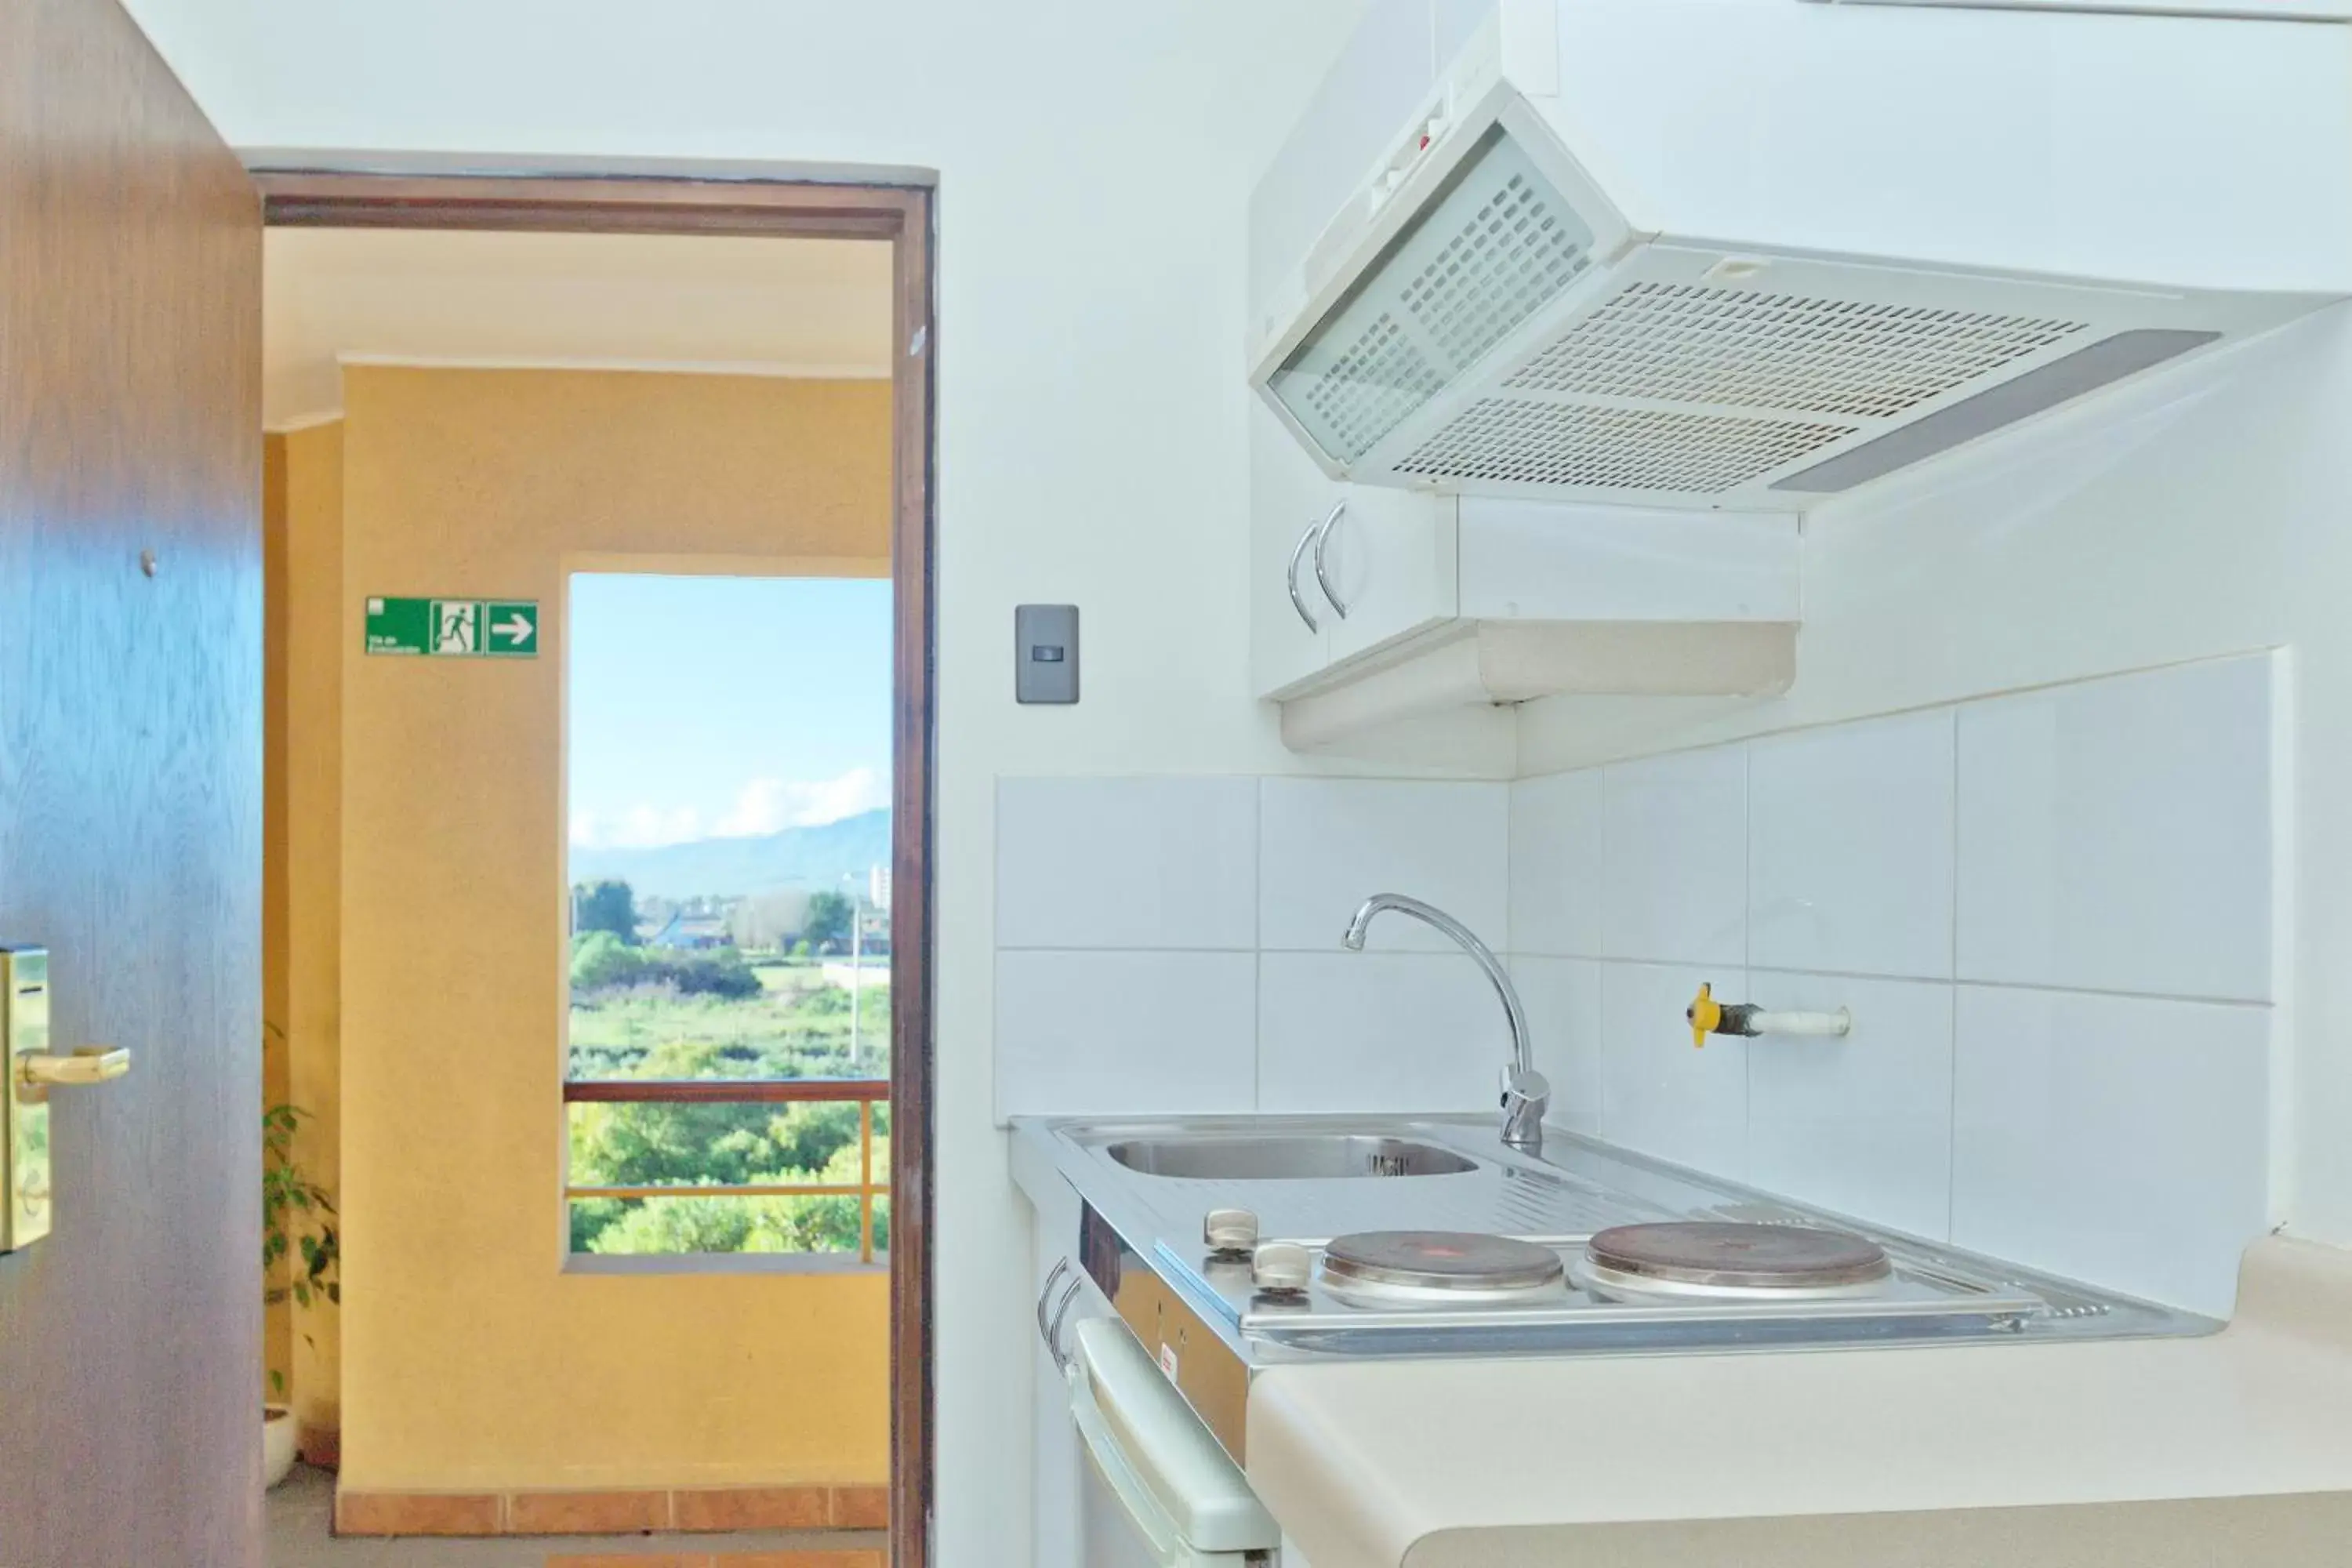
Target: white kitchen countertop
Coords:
[[2231, 1449]]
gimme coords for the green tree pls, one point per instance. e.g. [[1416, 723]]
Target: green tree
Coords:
[[720, 972], [605, 905], [699, 1222], [828, 918], [600, 960]]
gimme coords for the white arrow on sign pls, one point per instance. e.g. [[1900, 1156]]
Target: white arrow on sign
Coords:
[[517, 630]]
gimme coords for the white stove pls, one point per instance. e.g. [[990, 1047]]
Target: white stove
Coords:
[[1228, 1246]]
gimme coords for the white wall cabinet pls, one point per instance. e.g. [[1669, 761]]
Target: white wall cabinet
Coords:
[[1340, 570], [1373, 606]]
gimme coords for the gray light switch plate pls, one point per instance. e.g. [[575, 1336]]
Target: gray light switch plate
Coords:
[[1046, 653]]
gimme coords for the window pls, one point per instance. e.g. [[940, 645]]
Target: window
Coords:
[[729, 743]]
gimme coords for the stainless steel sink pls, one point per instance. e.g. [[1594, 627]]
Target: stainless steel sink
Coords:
[[1287, 1158]]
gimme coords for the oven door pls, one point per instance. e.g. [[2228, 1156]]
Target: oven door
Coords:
[[1158, 1492]]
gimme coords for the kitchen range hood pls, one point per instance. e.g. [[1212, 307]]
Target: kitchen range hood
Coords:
[[1750, 254]]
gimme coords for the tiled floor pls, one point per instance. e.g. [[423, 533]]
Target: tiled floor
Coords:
[[299, 1538]]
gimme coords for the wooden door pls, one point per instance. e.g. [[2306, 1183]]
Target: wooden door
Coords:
[[131, 794]]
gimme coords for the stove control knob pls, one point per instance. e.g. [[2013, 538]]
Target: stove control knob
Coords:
[[1282, 1267], [1230, 1230]]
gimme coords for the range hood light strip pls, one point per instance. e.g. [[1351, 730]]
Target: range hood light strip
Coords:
[[2062, 380]]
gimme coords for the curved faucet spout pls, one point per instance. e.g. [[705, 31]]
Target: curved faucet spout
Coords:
[[1527, 1094]]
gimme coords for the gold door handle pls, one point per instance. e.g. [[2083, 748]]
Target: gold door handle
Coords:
[[90, 1064]]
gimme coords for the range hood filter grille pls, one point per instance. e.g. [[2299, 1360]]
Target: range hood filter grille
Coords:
[[1482, 257], [1531, 442], [1671, 343]]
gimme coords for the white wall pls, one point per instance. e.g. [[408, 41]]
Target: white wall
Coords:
[[1094, 161], [2048, 915], [2204, 511]]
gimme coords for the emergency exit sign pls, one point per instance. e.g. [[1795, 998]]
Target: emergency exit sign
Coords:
[[454, 628]]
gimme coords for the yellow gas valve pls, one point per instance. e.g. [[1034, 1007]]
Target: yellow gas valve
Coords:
[[1744, 1019]]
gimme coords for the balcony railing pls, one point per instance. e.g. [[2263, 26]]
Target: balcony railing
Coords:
[[865, 1093]]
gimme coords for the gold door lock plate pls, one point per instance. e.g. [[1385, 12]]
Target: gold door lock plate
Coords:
[[28, 1071], [25, 1151]]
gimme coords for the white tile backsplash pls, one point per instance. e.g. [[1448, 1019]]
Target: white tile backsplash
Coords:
[[1660, 1094], [1674, 857], [2117, 1139], [1862, 1124], [1555, 865], [1082, 1033], [1326, 845], [1377, 1031], [1127, 863], [2021, 900], [1562, 998], [1850, 848], [2115, 836]]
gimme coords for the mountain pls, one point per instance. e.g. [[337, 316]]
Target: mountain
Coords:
[[818, 857]]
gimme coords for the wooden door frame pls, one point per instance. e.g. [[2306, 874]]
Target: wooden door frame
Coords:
[[355, 192]]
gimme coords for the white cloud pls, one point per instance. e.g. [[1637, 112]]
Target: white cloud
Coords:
[[764, 805], [771, 805], [639, 828]]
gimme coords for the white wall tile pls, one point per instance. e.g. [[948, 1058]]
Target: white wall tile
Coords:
[[1326, 845], [1562, 998], [1862, 1124], [2115, 1140], [1675, 873], [1660, 1094], [1378, 1031], [1142, 1033], [2115, 836], [1850, 848], [1127, 863], [1555, 865]]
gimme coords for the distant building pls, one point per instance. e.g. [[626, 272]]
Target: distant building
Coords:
[[770, 920], [692, 933], [877, 886]]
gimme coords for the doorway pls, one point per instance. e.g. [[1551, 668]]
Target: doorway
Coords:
[[297, 194]]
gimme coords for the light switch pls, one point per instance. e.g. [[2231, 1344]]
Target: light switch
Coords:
[[1046, 653]]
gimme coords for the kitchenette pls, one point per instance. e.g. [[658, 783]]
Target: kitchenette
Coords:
[[1773, 1012]]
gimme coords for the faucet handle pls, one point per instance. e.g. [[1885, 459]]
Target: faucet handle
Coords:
[[1525, 1088], [1527, 1095]]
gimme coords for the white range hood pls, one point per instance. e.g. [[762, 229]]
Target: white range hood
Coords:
[[1748, 254]]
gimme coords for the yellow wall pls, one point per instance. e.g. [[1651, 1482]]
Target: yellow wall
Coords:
[[309, 615], [470, 1358], [277, 1067], [302, 546]]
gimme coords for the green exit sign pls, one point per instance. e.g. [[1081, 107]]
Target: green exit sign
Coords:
[[454, 628]]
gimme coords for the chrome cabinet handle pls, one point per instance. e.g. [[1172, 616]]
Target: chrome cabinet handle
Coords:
[[1322, 540], [1054, 1277], [1297, 599], [1053, 1328]]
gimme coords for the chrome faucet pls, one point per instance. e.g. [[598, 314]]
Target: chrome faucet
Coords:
[[1527, 1094]]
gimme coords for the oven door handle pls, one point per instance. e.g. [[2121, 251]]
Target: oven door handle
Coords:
[[1151, 1521], [1184, 1496]]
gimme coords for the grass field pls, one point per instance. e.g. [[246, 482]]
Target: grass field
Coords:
[[799, 1026]]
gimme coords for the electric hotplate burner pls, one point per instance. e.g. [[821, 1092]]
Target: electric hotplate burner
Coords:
[[1438, 1265], [1721, 1260]]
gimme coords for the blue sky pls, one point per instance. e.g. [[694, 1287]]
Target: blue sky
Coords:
[[707, 707]]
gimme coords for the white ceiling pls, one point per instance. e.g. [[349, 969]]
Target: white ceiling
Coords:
[[802, 307]]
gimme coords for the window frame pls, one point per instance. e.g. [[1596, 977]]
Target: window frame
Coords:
[[868, 1092]]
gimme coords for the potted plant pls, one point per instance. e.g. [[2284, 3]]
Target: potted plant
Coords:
[[300, 1256]]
